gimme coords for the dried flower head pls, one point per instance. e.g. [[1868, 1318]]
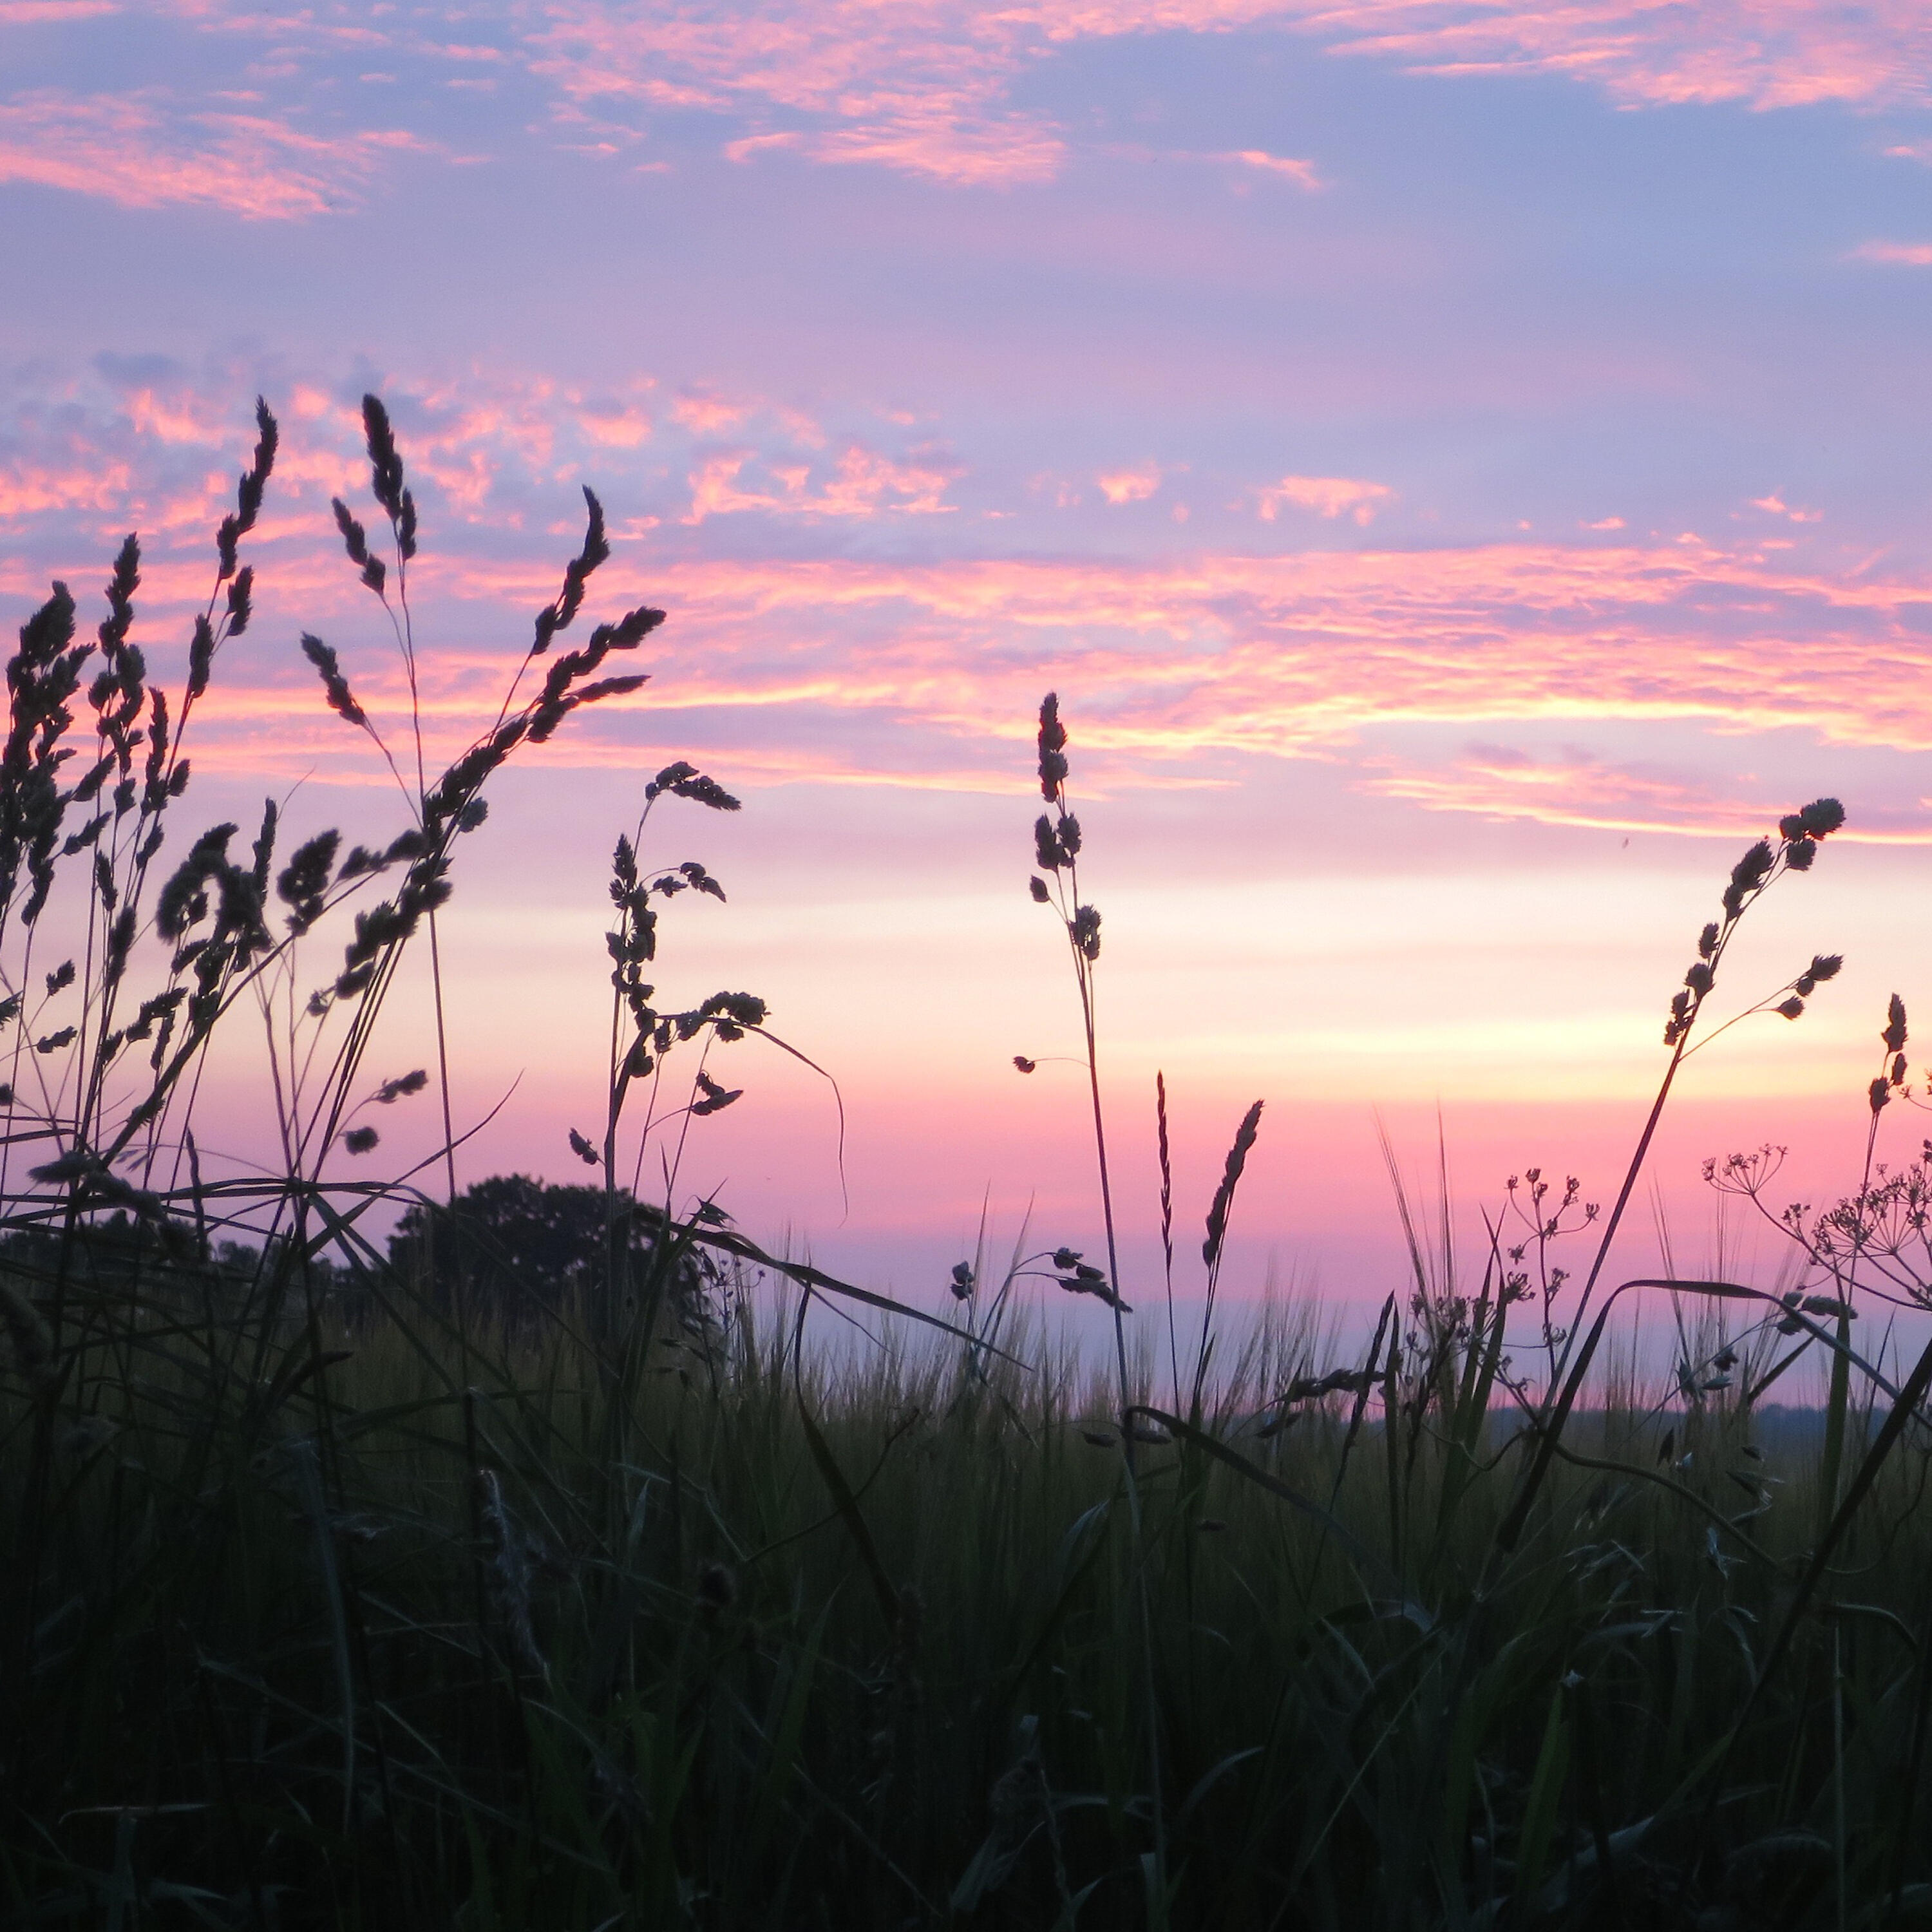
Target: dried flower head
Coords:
[[1052, 748], [1046, 852], [335, 686], [1894, 1036], [715, 1097], [1224, 1195]]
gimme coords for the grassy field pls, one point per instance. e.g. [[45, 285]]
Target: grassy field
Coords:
[[307, 1628], [470, 1581]]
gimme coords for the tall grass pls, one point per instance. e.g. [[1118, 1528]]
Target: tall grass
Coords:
[[339, 1596]]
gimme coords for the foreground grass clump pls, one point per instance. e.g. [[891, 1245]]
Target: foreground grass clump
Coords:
[[714, 1635]]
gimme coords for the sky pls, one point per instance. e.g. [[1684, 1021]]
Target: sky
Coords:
[[1462, 466]]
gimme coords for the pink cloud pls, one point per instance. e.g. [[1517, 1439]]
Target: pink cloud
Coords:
[[181, 417], [125, 148], [704, 414], [923, 87], [1766, 53], [758, 144], [863, 483], [1904, 254], [1578, 787], [1182, 661], [1328, 496], [919, 88], [614, 426], [1774, 506], [1277, 656], [1302, 173], [714, 490], [1130, 486], [938, 139], [28, 490]]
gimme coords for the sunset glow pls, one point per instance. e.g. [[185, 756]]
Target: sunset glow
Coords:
[[1462, 465]]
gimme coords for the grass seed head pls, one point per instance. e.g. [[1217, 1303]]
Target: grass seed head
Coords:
[[1052, 748]]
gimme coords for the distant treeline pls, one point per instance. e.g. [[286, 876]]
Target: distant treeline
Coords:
[[510, 1250]]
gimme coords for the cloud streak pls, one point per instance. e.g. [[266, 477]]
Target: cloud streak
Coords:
[[1764, 53], [928, 88], [1581, 787], [1186, 664], [140, 153], [904, 668], [925, 87]]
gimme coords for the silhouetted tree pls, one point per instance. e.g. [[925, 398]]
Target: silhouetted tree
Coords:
[[520, 1246]]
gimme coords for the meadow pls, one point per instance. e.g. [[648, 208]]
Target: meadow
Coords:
[[531, 1560]]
